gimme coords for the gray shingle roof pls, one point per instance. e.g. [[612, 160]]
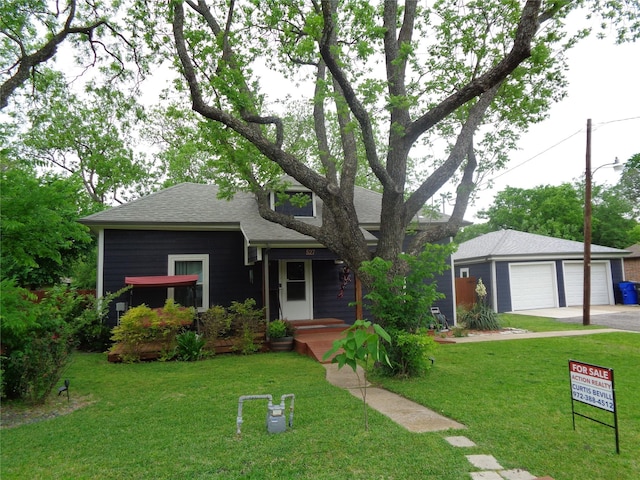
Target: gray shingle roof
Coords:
[[197, 206], [511, 243]]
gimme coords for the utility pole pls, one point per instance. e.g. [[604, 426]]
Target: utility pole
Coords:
[[586, 295]]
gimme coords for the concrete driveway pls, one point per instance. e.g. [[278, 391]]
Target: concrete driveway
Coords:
[[624, 317]]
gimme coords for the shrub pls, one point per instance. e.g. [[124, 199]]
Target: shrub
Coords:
[[279, 329], [241, 323], [411, 354], [401, 304], [189, 346], [247, 322], [215, 323], [90, 330], [36, 339], [480, 317], [142, 325]]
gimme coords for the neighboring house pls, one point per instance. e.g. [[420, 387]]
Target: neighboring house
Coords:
[[632, 264], [523, 271], [186, 229]]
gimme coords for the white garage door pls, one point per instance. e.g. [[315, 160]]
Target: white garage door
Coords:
[[533, 285], [600, 283]]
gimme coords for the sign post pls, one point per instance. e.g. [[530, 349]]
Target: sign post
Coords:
[[594, 386]]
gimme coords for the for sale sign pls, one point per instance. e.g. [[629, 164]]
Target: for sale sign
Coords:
[[592, 385]]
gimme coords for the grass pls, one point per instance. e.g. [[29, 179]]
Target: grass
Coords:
[[178, 419], [539, 324]]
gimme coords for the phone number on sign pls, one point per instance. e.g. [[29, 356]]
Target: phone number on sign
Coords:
[[595, 401]]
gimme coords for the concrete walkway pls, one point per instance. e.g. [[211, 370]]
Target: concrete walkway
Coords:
[[412, 416]]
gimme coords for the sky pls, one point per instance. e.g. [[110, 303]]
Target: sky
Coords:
[[603, 86]]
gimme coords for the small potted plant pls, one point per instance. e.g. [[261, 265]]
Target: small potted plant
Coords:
[[280, 333]]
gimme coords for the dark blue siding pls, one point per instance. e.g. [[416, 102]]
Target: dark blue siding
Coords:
[[145, 252], [326, 286], [503, 288], [617, 276], [562, 296]]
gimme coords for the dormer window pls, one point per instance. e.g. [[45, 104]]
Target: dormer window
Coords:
[[297, 204]]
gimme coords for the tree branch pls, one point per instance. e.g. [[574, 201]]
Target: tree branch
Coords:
[[327, 44], [527, 28], [459, 152]]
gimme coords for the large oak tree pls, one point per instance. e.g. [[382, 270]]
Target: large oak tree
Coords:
[[395, 77]]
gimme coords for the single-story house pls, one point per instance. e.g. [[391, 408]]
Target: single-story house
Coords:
[[524, 271], [632, 264], [235, 253]]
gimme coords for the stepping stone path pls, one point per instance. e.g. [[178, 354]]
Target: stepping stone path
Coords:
[[489, 467]]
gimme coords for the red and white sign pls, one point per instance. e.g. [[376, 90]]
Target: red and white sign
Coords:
[[592, 385]]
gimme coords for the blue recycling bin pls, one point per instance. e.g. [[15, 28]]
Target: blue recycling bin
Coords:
[[629, 294]]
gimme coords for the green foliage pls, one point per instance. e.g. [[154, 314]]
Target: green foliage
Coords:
[[189, 346], [403, 302], [241, 322], [629, 185], [143, 325], [37, 339], [279, 329], [480, 317], [215, 323], [558, 211], [555, 211], [91, 332], [247, 322], [413, 354], [41, 238], [361, 344], [402, 305]]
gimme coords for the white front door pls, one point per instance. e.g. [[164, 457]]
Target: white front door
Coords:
[[296, 290]]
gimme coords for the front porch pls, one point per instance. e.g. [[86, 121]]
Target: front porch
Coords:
[[315, 337]]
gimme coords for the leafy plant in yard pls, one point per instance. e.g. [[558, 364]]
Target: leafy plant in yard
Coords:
[[360, 345], [247, 321], [36, 339], [215, 323], [142, 325], [189, 346], [481, 316], [90, 330], [401, 304], [279, 329], [417, 353]]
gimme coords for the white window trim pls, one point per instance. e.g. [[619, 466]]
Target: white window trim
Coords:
[[204, 258], [464, 272]]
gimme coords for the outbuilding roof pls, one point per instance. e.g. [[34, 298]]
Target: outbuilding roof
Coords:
[[511, 244]]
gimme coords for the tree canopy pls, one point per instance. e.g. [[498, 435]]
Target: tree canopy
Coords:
[[41, 238], [558, 211], [406, 96]]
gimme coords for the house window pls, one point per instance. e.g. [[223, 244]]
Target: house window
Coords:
[[298, 204], [464, 273], [191, 265]]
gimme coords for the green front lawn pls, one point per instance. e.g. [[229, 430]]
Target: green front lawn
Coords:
[[178, 420], [539, 324]]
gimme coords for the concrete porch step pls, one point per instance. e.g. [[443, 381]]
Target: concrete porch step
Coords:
[[314, 338]]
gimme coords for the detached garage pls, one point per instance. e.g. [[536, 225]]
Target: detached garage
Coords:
[[524, 271]]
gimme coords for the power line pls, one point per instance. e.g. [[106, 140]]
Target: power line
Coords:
[[554, 146]]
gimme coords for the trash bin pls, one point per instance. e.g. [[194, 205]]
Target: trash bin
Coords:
[[629, 293]]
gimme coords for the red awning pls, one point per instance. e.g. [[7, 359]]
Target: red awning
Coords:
[[162, 281]]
